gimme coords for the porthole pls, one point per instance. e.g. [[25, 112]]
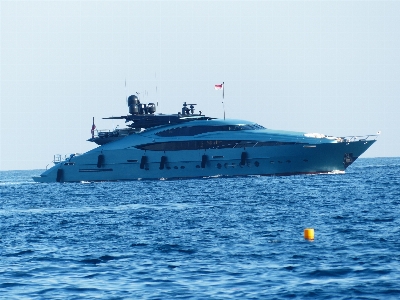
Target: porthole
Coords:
[[219, 166], [176, 167], [256, 163], [182, 167]]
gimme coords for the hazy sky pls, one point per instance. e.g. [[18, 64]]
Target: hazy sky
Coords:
[[331, 67]]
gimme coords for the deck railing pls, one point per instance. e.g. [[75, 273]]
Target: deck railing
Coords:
[[58, 157], [356, 138]]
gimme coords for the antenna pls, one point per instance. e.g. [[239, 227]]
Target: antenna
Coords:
[[223, 106], [155, 76], [126, 95]]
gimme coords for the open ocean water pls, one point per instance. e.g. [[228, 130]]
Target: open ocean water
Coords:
[[216, 238]]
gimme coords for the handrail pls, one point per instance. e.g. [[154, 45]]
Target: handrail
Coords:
[[58, 157], [356, 138]]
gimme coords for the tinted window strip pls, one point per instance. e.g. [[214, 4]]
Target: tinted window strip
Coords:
[[195, 130], [95, 170], [211, 144]]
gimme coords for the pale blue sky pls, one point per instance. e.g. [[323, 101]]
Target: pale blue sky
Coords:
[[316, 66]]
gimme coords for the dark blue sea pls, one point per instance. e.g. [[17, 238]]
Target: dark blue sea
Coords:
[[215, 238]]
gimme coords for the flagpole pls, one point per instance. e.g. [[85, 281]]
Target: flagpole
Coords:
[[218, 87], [223, 93]]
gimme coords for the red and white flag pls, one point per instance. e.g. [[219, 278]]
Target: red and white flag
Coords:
[[219, 86]]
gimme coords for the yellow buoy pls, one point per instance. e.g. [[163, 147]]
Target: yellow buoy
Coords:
[[309, 233]]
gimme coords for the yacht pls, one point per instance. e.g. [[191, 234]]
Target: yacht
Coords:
[[192, 145]]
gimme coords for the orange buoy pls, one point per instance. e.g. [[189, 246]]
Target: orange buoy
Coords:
[[309, 233]]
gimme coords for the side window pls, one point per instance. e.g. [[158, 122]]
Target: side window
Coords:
[[195, 130]]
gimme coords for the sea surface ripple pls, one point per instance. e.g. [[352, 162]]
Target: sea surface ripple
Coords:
[[215, 238]]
